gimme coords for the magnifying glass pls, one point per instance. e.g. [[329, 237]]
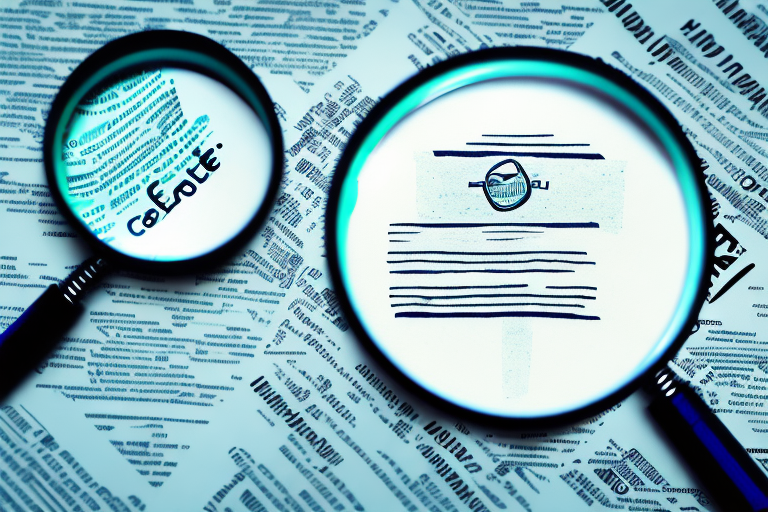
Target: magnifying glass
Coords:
[[577, 271], [521, 236], [163, 150], [569, 281]]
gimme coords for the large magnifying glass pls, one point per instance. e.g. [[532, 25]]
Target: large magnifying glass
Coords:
[[163, 150], [522, 237], [521, 233]]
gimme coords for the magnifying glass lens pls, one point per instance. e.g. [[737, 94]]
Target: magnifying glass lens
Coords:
[[520, 235], [163, 150], [164, 164]]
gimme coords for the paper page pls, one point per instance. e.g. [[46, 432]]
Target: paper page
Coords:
[[243, 388]]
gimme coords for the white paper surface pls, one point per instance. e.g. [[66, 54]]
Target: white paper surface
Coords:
[[147, 404]]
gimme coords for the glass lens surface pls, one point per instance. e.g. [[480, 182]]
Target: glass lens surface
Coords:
[[166, 165], [519, 246]]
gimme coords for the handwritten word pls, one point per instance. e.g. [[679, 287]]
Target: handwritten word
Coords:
[[444, 439], [280, 407], [186, 188], [745, 83], [749, 24], [728, 250]]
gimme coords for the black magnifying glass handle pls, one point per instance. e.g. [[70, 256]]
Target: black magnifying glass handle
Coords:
[[38, 330], [730, 475]]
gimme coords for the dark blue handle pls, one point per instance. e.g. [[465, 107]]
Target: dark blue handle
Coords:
[[25, 344], [730, 475]]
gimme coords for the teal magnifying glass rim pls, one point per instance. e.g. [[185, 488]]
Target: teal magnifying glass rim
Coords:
[[547, 64], [143, 51]]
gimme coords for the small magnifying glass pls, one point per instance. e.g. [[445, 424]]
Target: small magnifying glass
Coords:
[[506, 185], [163, 150]]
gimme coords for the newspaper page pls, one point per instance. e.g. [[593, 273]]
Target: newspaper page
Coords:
[[243, 388]]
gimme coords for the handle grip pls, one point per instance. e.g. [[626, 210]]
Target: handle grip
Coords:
[[730, 475], [33, 335]]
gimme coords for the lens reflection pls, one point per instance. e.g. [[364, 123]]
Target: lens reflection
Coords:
[[165, 164], [554, 288]]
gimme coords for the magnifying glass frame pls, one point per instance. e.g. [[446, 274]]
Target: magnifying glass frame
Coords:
[[150, 50], [697, 291]]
